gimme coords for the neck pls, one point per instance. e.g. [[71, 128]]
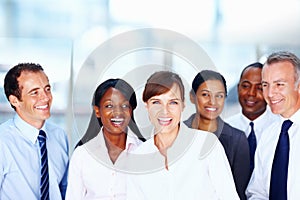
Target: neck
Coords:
[[200, 123], [253, 116], [115, 145], [165, 140]]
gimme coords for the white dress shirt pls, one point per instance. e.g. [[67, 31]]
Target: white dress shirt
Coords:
[[92, 175], [197, 169], [259, 184], [241, 122]]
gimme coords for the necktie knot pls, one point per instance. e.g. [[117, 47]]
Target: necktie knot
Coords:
[[42, 136], [251, 125], [286, 125]]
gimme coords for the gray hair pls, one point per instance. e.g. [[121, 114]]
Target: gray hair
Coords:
[[282, 56]]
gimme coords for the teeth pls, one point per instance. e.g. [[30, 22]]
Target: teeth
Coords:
[[250, 103], [274, 102], [211, 109], [42, 107], [165, 119], [117, 120]]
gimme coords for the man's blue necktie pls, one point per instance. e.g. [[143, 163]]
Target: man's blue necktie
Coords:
[[279, 174], [252, 146], [44, 185]]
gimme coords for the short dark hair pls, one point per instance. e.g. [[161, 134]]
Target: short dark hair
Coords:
[[254, 65], [206, 75], [11, 84], [161, 82]]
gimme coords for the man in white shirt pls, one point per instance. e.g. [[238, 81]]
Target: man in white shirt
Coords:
[[253, 105], [281, 90]]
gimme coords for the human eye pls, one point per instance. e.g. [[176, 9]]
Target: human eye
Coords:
[[155, 102], [259, 87], [220, 96], [174, 102], [48, 89], [109, 105], [280, 84], [264, 85], [126, 105], [205, 94], [33, 93], [245, 85]]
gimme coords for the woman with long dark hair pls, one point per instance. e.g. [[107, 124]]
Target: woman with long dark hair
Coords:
[[112, 134]]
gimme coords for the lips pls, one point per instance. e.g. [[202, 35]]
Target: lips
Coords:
[[275, 101], [42, 107], [250, 103], [117, 121], [211, 109], [164, 121]]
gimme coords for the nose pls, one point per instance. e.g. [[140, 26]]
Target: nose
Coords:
[[212, 99], [252, 91], [117, 109], [45, 96], [165, 109], [269, 91]]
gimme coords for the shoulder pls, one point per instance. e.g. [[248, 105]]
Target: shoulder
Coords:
[[238, 137], [204, 142], [6, 126], [50, 126], [235, 131], [227, 129], [57, 136], [271, 131], [146, 147], [94, 144], [233, 118], [79, 152], [199, 136], [6, 130], [55, 130]]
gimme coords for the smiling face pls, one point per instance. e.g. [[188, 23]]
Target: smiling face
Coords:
[[250, 93], [165, 110], [36, 98], [209, 99], [279, 88], [114, 111]]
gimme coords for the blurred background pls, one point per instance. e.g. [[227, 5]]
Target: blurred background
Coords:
[[60, 35]]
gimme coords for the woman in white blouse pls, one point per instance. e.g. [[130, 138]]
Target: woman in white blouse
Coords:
[[177, 162], [94, 171]]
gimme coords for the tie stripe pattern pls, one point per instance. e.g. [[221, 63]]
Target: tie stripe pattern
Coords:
[[279, 173], [44, 185]]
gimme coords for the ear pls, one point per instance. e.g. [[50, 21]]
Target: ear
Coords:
[[183, 105], [97, 111], [192, 98], [13, 100]]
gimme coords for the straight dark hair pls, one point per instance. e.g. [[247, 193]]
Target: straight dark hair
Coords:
[[95, 123]]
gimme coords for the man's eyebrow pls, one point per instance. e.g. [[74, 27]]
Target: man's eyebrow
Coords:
[[33, 89], [280, 80]]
